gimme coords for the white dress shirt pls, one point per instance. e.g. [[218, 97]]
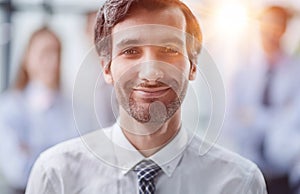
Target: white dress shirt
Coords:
[[103, 162]]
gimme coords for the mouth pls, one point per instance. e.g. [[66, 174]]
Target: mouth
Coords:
[[151, 92]]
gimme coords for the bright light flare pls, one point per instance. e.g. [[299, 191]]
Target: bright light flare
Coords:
[[231, 18]]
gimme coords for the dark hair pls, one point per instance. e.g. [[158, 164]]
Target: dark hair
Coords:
[[114, 11], [22, 77]]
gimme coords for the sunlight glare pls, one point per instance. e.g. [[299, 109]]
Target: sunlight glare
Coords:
[[231, 18]]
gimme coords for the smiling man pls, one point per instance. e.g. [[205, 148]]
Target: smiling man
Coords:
[[148, 50]]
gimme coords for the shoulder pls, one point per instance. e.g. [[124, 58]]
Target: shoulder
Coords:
[[65, 166], [62, 153], [224, 166], [53, 165], [203, 150], [11, 104], [64, 161], [71, 151], [11, 98]]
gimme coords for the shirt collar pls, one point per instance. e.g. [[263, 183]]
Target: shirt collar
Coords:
[[166, 158]]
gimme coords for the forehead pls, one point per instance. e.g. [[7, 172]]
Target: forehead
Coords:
[[172, 17], [274, 17], [44, 39], [153, 27]]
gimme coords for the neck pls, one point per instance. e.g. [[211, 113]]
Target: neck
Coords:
[[148, 138], [50, 84], [272, 56], [272, 49]]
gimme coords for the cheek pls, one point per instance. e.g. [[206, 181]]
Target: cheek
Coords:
[[183, 66], [32, 65], [33, 59], [51, 61], [120, 71], [124, 70]]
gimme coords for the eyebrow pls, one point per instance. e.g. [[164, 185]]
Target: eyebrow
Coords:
[[175, 40], [127, 41]]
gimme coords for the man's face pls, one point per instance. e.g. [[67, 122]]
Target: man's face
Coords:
[[272, 27], [149, 67], [43, 59]]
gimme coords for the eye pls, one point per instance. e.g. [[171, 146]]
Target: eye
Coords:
[[170, 50], [130, 51]]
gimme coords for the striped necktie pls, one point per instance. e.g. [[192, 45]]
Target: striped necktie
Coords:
[[146, 171]]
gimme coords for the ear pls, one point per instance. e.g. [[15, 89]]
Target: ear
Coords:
[[193, 71], [105, 64]]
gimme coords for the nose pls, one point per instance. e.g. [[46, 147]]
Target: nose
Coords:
[[151, 67], [150, 72]]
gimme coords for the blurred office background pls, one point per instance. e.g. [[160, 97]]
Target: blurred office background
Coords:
[[229, 23], [230, 29]]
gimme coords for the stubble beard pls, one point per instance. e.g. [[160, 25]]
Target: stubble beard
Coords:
[[142, 113]]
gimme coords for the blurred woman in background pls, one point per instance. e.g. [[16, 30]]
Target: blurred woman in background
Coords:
[[33, 114]]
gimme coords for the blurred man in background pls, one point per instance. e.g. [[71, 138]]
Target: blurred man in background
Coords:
[[266, 92]]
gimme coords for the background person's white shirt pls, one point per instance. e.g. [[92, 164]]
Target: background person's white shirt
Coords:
[[72, 167]]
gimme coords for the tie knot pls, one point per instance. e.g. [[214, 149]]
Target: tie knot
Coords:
[[147, 170]]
